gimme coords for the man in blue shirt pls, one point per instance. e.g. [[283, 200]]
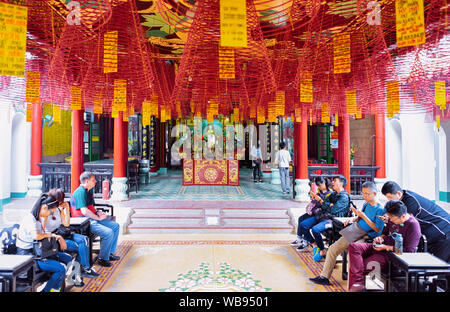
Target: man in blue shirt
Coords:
[[365, 223], [434, 220], [82, 204]]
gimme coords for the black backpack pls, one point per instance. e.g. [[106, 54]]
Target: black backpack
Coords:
[[8, 238]]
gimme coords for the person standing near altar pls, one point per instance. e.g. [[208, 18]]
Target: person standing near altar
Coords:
[[283, 159]]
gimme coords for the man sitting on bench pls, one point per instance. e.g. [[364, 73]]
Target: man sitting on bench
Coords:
[[364, 255], [82, 204], [434, 221]]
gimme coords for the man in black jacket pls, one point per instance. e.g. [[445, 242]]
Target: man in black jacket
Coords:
[[434, 220]]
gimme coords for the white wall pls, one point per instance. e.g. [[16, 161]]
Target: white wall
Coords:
[[20, 151], [394, 153], [444, 174], [417, 154], [5, 151]]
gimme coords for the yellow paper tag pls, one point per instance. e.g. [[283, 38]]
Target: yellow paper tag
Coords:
[[439, 94], [325, 113], [392, 98], [306, 87], [98, 105], [120, 94], [341, 53], [29, 112], [226, 63], [298, 115], [410, 25], [351, 102], [110, 52], [33, 87], [13, 37], [75, 98], [233, 23], [280, 100]]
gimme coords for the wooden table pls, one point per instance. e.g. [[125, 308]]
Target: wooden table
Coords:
[[417, 264], [11, 266]]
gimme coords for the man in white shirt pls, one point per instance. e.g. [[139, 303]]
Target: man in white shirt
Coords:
[[283, 158]]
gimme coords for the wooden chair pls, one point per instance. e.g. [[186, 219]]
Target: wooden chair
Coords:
[[133, 175]]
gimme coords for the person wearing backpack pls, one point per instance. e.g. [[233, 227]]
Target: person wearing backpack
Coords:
[[32, 227], [365, 223], [335, 205]]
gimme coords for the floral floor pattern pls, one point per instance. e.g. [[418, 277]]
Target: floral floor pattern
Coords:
[[205, 266]]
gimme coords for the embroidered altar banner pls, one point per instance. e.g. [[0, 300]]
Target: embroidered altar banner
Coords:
[[210, 172]]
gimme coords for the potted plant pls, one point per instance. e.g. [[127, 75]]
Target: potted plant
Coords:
[[353, 151]]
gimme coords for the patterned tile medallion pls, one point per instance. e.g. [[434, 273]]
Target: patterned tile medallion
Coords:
[[187, 266]]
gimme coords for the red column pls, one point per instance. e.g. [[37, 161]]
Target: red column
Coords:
[[77, 148], [380, 155], [36, 140], [344, 149], [125, 142], [301, 149], [119, 154]]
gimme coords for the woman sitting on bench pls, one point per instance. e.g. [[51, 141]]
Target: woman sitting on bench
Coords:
[[31, 228], [76, 242]]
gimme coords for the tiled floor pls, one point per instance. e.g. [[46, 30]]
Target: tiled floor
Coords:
[[170, 187]]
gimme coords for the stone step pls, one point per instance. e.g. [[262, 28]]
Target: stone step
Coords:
[[200, 214], [249, 223], [180, 222], [202, 229], [150, 213]]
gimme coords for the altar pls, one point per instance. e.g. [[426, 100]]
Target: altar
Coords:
[[210, 172]]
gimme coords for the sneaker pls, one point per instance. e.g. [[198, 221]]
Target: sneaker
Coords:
[[317, 257], [81, 284], [260, 181], [315, 250], [89, 272], [295, 243], [284, 193], [255, 181], [357, 288], [113, 257], [320, 280], [303, 247], [104, 263]]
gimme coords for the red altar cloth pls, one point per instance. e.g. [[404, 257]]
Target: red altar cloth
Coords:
[[210, 172]]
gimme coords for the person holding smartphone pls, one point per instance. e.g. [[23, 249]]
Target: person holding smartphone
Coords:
[[320, 189], [363, 254]]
